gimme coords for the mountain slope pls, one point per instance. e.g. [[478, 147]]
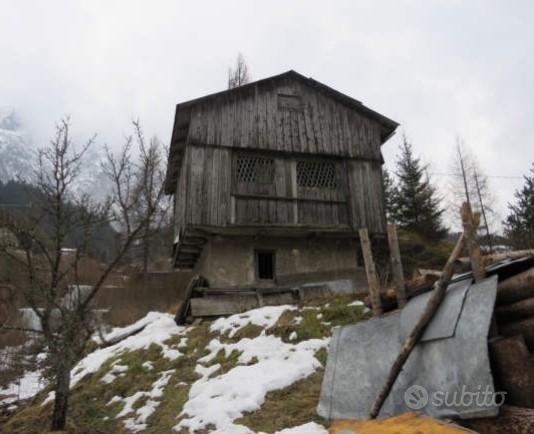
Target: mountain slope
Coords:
[[18, 158], [256, 372]]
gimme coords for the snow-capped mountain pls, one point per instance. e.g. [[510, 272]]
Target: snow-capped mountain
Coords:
[[18, 158], [17, 155]]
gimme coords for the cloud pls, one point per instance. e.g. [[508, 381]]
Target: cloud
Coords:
[[440, 68]]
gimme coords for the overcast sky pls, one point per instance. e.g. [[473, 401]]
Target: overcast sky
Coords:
[[439, 68]]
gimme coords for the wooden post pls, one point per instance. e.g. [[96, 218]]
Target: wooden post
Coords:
[[436, 297], [370, 270], [470, 224], [396, 265]]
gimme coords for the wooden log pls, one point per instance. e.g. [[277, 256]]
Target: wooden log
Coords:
[[513, 369], [516, 288], [396, 265], [496, 257], [411, 340], [515, 311], [511, 420], [370, 270], [470, 224], [423, 273], [524, 327]]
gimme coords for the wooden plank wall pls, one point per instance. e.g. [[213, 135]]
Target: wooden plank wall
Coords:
[[205, 195], [303, 123], [252, 119], [366, 195], [205, 177]]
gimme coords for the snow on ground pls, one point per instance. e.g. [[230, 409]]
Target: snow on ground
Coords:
[[138, 421], [308, 428], [265, 317], [25, 387], [219, 400], [159, 327], [116, 371]]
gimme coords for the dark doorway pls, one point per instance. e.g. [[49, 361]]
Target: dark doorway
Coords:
[[265, 264]]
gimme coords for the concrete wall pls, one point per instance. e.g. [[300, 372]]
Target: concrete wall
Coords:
[[142, 293], [228, 262]]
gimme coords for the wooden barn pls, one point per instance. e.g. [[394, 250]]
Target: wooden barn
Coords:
[[271, 182]]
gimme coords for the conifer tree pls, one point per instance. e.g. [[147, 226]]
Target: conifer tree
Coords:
[[415, 203], [388, 187], [519, 224]]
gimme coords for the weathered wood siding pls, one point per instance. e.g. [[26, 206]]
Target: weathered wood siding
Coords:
[[203, 189], [208, 195], [284, 116], [286, 122], [366, 195]]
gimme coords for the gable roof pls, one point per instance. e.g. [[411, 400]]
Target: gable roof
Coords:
[[341, 97], [388, 125]]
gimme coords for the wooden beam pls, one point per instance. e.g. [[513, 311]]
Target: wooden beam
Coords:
[[396, 265], [470, 224], [370, 270]]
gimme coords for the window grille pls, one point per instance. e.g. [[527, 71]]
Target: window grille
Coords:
[[257, 170], [316, 174]]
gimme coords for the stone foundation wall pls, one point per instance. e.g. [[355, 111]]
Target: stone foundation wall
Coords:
[[229, 262]]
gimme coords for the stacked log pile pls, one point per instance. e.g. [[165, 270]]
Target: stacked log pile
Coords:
[[512, 348]]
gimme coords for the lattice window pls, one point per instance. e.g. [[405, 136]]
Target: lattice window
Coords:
[[255, 170], [316, 174]]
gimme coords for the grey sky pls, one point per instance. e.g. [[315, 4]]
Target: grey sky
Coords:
[[440, 68]]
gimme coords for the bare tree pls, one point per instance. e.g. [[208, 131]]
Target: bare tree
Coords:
[[239, 75], [53, 290], [153, 157], [472, 186]]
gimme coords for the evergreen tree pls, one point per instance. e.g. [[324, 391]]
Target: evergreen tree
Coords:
[[519, 224], [415, 203], [388, 187]]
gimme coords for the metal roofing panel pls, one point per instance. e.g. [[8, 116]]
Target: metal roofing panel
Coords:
[[361, 356]]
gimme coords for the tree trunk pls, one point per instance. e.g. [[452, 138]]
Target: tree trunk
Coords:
[[516, 288], [523, 327], [61, 402], [146, 250]]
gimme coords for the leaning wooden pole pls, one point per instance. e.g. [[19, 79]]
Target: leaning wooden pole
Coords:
[[437, 296], [370, 270], [396, 265], [470, 224]]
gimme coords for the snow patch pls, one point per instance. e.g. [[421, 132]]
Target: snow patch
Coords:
[[140, 416], [25, 387], [308, 428], [222, 399], [265, 317], [116, 371]]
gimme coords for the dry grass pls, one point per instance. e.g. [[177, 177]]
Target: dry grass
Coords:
[[292, 406]]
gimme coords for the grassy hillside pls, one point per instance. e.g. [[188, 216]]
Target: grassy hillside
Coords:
[[257, 372]]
